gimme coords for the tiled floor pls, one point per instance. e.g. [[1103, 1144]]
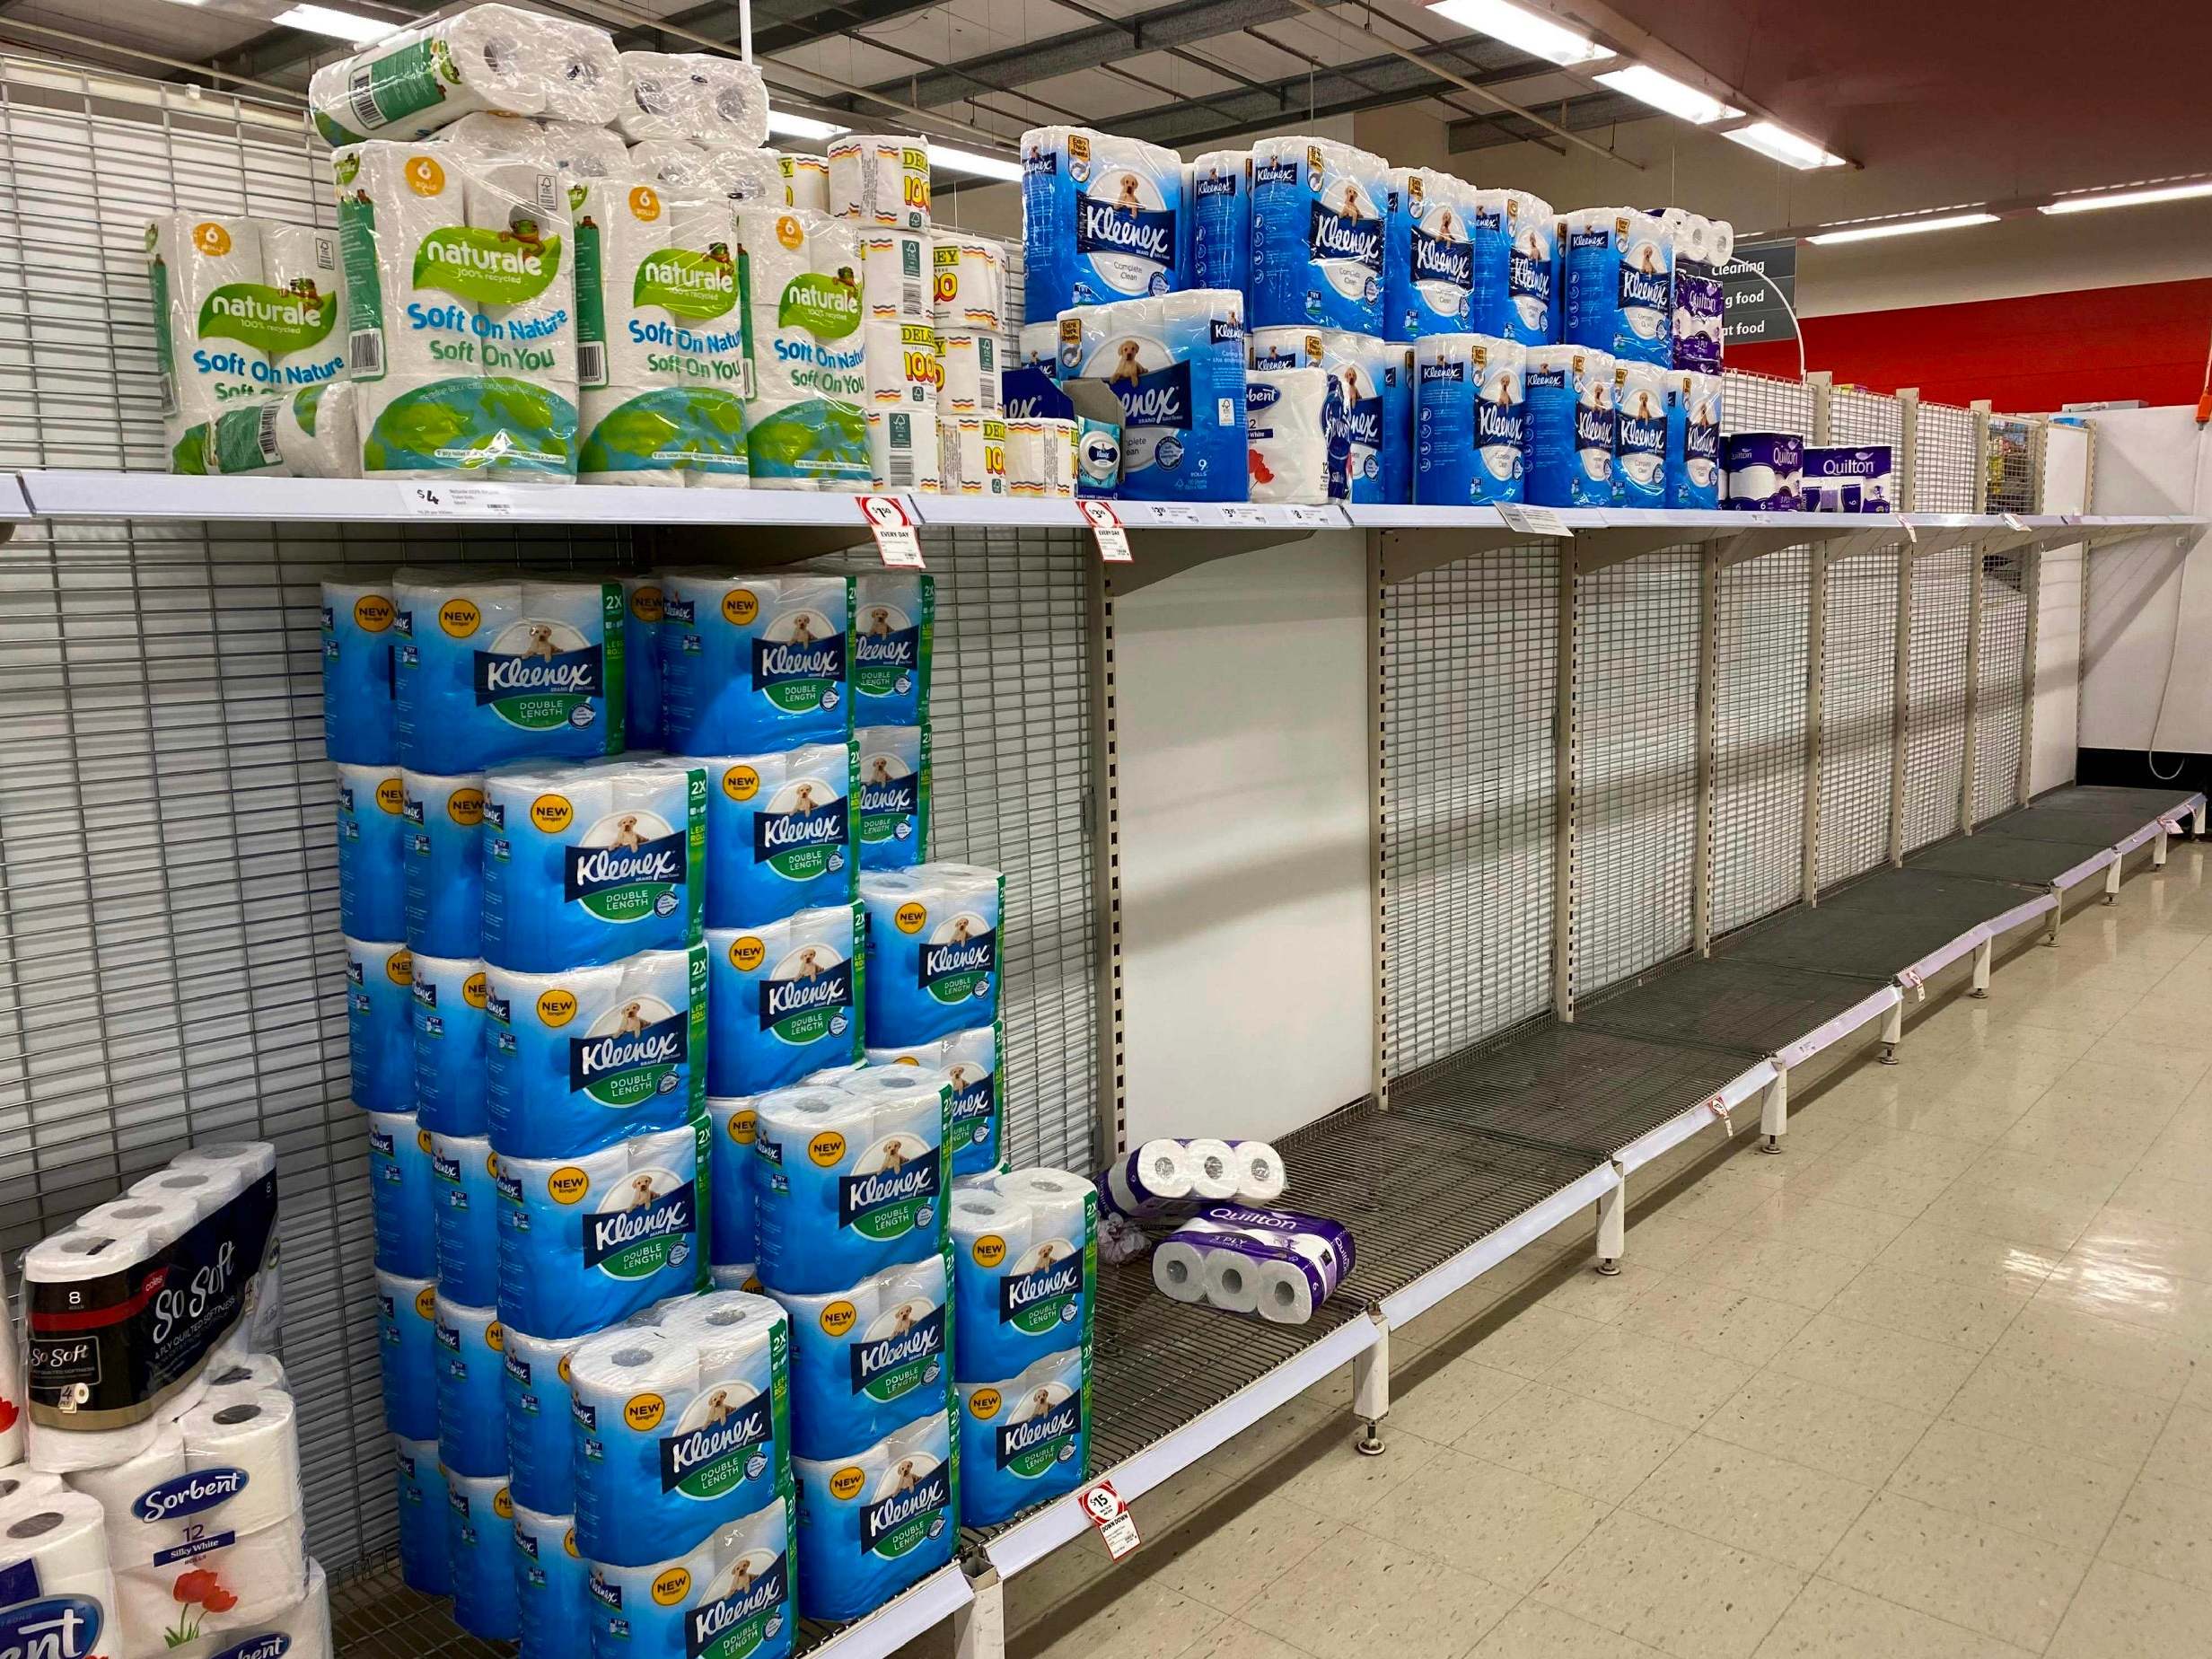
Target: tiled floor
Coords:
[[1934, 1382]]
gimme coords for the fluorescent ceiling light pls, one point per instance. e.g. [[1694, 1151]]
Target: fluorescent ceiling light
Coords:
[[1907, 227], [2129, 199], [340, 25], [970, 161], [1536, 36], [801, 126], [1779, 143], [1663, 91]]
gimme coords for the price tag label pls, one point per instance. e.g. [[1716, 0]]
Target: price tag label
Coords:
[[1113, 540], [439, 499], [1175, 514], [1242, 513], [1532, 520], [1109, 1513], [896, 541], [1316, 516]]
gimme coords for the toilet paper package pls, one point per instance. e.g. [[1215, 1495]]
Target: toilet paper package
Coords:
[[894, 632], [461, 313], [472, 1424], [1168, 1177], [20, 1480], [1516, 256], [932, 950], [973, 453], [357, 711], [736, 1276], [379, 1002], [370, 902], [425, 1558], [1469, 420], [59, 1594], [552, 1584], [730, 1596], [850, 1184], [1569, 427], [806, 183], [1428, 256], [1377, 381], [865, 1359], [400, 1194], [1693, 440], [893, 790], [1025, 1269], [588, 152], [880, 180], [1029, 385], [1040, 458], [641, 662], [407, 1333], [465, 1174], [1317, 234], [681, 1427], [1276, 1264], [540, 1432], [1620, 297], [450, 994], [807, 426], [1702, 246], [971, 381], [1765, 470], [1298, 435], [587, 1240], [297, 1630], [1830, 472], [753, 663], [1100, 216], [191, 259], [442, 875], [412, 82], [479, 1539], [1177, 366], [968, 1061], [590, 861], [1219, 209], [784, 999], [895, 275], [968, 286], [733, 1232], [709, 99], [1024, 1437], [903, 367], [906, 450], [782, 833], [877, 1518], [491, 669], [1639, 435], [584, 1060]]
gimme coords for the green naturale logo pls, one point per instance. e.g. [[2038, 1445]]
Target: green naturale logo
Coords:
[[685, 284], [277, 321], [825, 307], [345, 169], [492, 268]]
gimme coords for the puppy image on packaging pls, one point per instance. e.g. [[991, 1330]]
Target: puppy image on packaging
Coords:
[[729, 1597], [782, 835], [784, 999], [755, 663], [968, 1061], [877, 1518], [1176, 364], [1317, 234], [865, 1359], [1024, 1438], [848, 1184], [894, 781], [1100, 219], [1639, 435], [894, 624], [1693, 439], [932, 950]]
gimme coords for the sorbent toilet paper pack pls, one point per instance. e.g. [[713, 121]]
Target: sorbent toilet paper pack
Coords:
[[1377, 384], [1099, 219], [370, 803], [1693, 440], [465, 1180], [1177, 366], [730, 1596], [1024, 1437], [782, 833], [380, 1001], [969, 1062], [450, 994], [865, 1359], [932, 950], [540, 1432], [1298, 435], [892, 764], [1569, 427], [400, 1195], [425, 1555], [1317, 234], [784, 999], [849, 1184], [1429, 256], [406, 1331], [472, 1434], [357, 711], [589, 1058], [1639, 435], [1515, 259], [894, 629], [1025, 1269], [876, 1518], [442, 869], [755, 663]]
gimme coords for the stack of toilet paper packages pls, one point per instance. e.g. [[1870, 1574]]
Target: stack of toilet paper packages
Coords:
[[905, 370], [487, 57], [1470, 419], [1375, 386], [461, 312], [248, 337], [1277, 1264], [1703, 249], [1318, 234], [808, 331], [1170, 1177], [1025, 1272], [1176, 363], [692, 97], [568, 147]]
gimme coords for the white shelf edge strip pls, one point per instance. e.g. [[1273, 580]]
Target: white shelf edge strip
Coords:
[[14, 502], [1027, 1541], [1411, 1301], [900, 1621], [1937, 960], [2088, 867], [1713, 1111], [2137, 837], [1867, 1008]]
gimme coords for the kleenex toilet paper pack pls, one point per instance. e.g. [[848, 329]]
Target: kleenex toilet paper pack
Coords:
[[1693, 439], [443, 876], [730, 1598], [782, 833], [371, 800], [1619, 284], [1177, 366], [540, 1432], [1099, 219], [406, 1339], [894, 627], [969, 1062], [876, 1518], [1025, 1269], [892, 804], [464, 1174], [380, 1000], [849, 1184], [1569, 427], [1469, 409], [1317, 234], [1515, 254], [753, 663], [399, 1194], [1024, 1437], [932, 950], [357, 711], [865, 1359], [1220, 211], [450, 994], [589, 1058], [472, 1436], [552, 1584], [784, 999], [1639, 435], [587, 863], [1428, 256]]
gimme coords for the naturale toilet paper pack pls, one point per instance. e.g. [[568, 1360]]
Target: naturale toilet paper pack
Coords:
[[412, 82], [804, 309]]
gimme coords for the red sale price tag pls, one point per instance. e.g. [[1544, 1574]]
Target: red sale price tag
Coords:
[[896, 539]]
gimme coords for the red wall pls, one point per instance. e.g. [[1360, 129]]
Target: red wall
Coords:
[[2025, 355]]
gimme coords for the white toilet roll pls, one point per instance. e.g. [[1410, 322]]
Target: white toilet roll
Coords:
[[256, 1158], [677, 163], [318, 434], [54, 1544], [20, 1480], [118, 1485], [255, 1435], [1178, 1270], [1156, 1175], [973, 450], [971, 384], [969, 290], [806, 181], [1213, 1168], [714, 100], [747, 175], [247, 1375], [904, 449], [206, 1189], [571, 146], [903, 368], [1260, 1177], [1040, 458], [415, 81], [895, 274], [300, 1629], [1232, 1281], [658, 99], [880, 179]]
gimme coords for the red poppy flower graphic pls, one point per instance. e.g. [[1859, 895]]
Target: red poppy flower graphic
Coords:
[[203, 1588], [8, 1414]]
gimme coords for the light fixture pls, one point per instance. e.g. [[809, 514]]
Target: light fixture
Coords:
[[1646, 84], [801, 126], [1536, 36], [1781, 144], [349, 26], [970, 161], [1903, 227], [2129, 198]]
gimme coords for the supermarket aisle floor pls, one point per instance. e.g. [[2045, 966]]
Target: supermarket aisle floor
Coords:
[[1936, 1382]]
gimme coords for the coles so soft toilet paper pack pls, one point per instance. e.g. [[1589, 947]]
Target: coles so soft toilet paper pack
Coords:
[[876, 1518], [932, 950], [866, 1358], [1025, 1269], [370, 904], [849, 1182], [1099, 219], [751, 663], [1428, 255], [1318, 211], [1177, 366], [730, 1598], [488, 670], [586, 862], [442, 873], [782, 833], [968, 1061], [591, 1056], [1024, 1437], [784, 999], [893, 808]]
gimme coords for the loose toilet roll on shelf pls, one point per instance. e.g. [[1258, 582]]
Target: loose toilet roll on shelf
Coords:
[[1099, 218], [969, 1062], [489, 670], [865, 1359], [783, 999], [753, 663], [586, 1240], [480, 1536], [1639, 435], [906, 450], [780, 834], [880, 180], [1298, 435], [425, 1557], [465, 1180], [893, 795], [1040, 458], [552, 1584], [932, 950], [806, 183], [1469, 420], [876, 1518], [357, 710], [1024, 1437], [407, 1331], [379, 1003], [540, 1438], [712, 100], [730, 1594], [442, 861], [1569, 427], [451, 995], [414, 82], [1026, 1267], [1317, 234], [1278, 1265], [895, 277], [969, 290], [400, 1194], [972, 449], [850, 1185], [472, 1438], [587, 863], [53, 1547]]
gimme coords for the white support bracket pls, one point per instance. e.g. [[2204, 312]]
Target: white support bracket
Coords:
[[1774, 1111], [2112, 881], [979, 1628], [1613, 1226], [2058, 914], [1983, 952], [1892, 1032], [1370, 1387]]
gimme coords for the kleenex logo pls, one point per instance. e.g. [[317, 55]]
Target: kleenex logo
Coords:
[[1021, 1290], [859, 1194], [1435, 259], [595, 869], [190, 1494], [1107, 227], [664, 1042], [917, 1342], [689, 1457], [1060, 1423], [568, 673], [880, 1520], [1334, 237], [705, 1624], [1160, 398]]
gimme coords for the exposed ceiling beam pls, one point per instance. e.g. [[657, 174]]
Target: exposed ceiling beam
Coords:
[[1576, 115]]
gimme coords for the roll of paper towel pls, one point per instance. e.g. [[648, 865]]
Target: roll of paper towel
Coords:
[[1469, 409], [412, 82], [865, 1359], [465, 1174], [879, 178], [733, 1594], [1025, 1264], [451, 995], [806, 183], [895, 275], [407, 1329], [754, 662], [358, 712], [876, 1518], [782, 998], [1298, 435], [443, 896], [1024, 1437], [932, 950], [781, 834], [399, 1194], [851, 1185]]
